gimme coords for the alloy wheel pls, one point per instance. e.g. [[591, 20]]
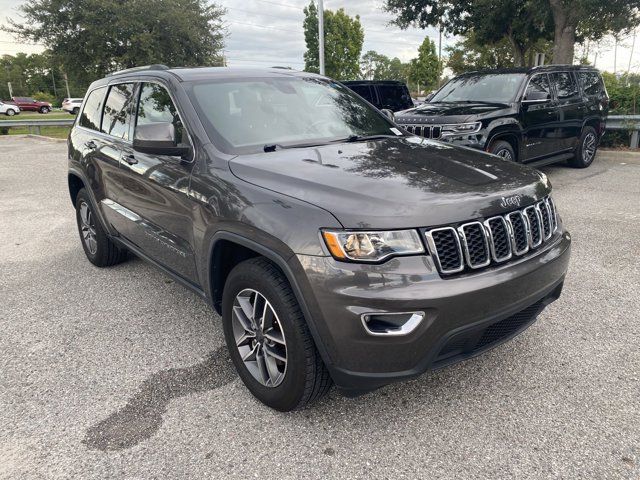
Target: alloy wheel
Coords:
[[588, 147], [11, 113], [504, 153], [88, 228], [259, 337]]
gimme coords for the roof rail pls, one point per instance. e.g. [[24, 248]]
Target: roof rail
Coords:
[[156, 66]]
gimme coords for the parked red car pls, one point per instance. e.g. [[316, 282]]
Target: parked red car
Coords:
[[27, 104]]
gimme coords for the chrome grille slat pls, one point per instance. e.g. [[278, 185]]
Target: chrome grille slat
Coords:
[[474, 245]]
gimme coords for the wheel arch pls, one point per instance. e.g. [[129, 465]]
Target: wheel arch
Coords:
[[246, 248], [513, 138]]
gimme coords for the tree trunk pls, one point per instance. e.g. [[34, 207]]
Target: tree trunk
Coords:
[[518, 50], [565, 32]]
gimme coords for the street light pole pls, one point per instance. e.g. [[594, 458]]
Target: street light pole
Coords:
[[321, 36]]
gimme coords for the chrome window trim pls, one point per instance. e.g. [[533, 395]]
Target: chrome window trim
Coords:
[[465, 244], [492, 248], [434, 251], [512, 234]]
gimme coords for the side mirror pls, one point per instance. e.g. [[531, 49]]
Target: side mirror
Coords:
[[429, 97], [389, 114], [158, 139], [536, 97]]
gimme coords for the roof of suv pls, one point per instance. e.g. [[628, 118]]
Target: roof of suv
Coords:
[[200, 73], [541, 68]]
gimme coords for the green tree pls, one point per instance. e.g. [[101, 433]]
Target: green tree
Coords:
[[426, 69], [523, 22], [93, 37], [343, 37]]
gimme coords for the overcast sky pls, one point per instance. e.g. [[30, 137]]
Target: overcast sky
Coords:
[[269, 32]]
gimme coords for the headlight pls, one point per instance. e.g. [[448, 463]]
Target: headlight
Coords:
[[372, 246], [461, 128]]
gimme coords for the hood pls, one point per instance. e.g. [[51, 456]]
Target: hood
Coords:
[[403, 182], [454, 111]]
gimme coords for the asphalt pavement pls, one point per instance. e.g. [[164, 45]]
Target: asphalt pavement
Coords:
[[122, 373]]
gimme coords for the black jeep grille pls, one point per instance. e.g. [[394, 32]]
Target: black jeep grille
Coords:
[[478, 244], [426, 131]]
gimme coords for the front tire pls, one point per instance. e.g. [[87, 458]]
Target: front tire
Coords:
[[587, 147], [502, 149], [75, 111], [97, 245], [268, 338], [10, 112]]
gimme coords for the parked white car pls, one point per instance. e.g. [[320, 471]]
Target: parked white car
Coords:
[[9, 109], [72, 105]]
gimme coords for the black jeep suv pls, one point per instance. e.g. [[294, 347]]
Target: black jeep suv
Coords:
[[336, 247], [539, 115]]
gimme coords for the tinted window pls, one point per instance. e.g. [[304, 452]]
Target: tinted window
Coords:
[[91, 113], [364, 91], [566, 86], [591, 83], [394, 97], [538, 83], [481, 88], [117, 111], [156, 106]]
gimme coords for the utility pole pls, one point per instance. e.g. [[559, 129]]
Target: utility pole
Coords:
[[10, 90], [321, 36], [633, 44], [53, 79], [615, 55], [439, 53], [66, 82]]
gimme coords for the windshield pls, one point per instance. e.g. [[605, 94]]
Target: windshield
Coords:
[[245, 115], [499, 88]]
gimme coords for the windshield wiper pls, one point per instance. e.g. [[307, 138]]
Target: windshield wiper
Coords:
[[272, 147], [364, 138]]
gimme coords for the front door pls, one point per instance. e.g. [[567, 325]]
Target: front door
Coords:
[[155, 189], [539, 120]]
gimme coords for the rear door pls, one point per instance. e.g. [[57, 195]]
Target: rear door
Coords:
[[571, 109], [539, 119], [154, 204], [99, 154]]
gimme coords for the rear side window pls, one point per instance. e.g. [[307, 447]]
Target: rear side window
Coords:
[[365, 91], [566, 86], [591, 83], [156, 106], [394, 97], [538, 83], [116, 118], [92, 111]]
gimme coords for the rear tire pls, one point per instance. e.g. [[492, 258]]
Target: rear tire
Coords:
[[503, 149], [97, 245], [44, 110], [586, 150], [297, 376]]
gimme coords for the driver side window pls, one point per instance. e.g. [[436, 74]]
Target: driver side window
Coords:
[[156, 106], [539, 84]]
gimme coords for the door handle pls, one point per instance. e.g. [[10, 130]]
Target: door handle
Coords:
[[91, 145], [130, 159]]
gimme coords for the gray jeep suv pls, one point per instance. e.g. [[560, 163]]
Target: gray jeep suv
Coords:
[[336, 247]]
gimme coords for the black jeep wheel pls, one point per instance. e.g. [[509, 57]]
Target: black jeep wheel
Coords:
[[268, 338], [502, 149], [586, 150], [98, 247]]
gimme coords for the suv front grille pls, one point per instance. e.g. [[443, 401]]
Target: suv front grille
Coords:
[[426, 131], [476, 245]]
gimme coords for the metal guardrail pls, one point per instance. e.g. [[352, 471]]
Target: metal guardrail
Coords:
[[35, 125], [626, 122], [614, 122]]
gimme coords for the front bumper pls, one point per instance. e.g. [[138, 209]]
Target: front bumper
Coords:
[[459, 311]]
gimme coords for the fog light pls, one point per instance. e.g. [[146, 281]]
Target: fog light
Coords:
[[391, 324]]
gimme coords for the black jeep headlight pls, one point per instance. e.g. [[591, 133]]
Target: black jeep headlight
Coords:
[[372, 246], [461, 128]]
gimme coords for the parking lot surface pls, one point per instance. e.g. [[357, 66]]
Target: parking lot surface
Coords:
[[122, 373]]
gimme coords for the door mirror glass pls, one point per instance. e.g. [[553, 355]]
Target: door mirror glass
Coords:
[[537, 96], [158, 138], [389, 114]]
